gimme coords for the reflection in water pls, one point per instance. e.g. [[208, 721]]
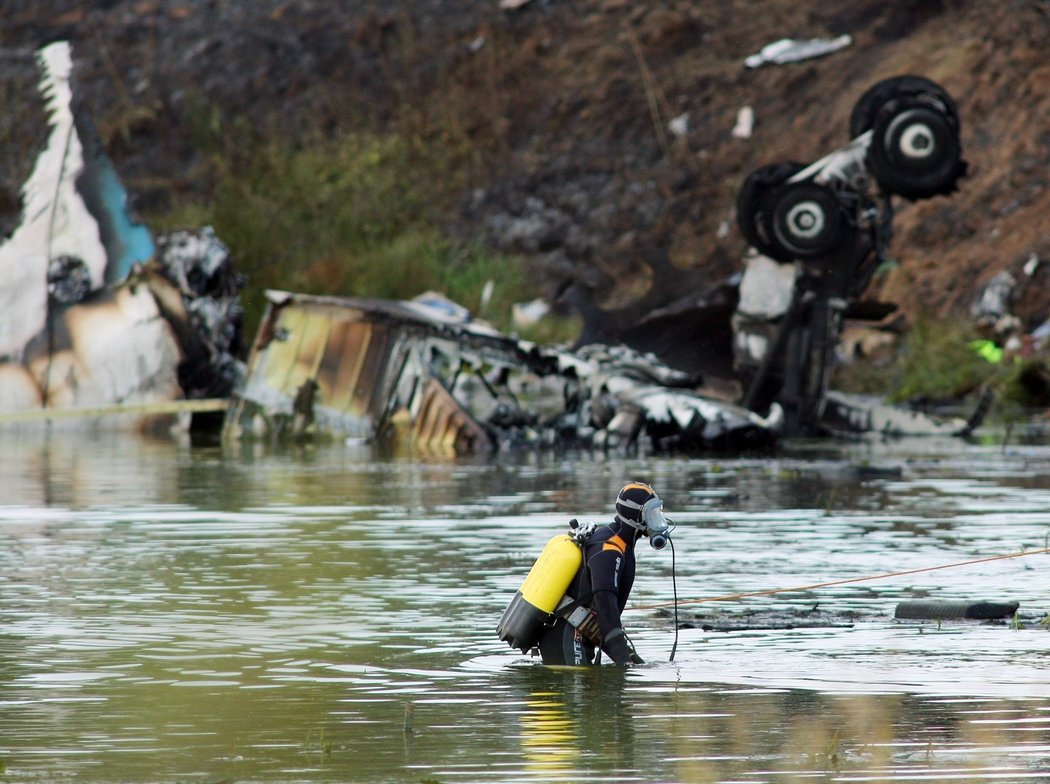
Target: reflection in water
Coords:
[[177, 613], [549, 737], [574, 722]]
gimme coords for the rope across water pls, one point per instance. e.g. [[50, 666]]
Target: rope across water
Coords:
[[829, 583]]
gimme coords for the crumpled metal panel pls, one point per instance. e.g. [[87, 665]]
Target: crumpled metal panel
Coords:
[[430, 379], [319, 365], [843, 414], [350, 384], [331, 367], [443, 425], [117, 348]]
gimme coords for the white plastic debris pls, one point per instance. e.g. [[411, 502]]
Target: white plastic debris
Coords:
[[435, 305], [486, 295], [745, 123], [766, 288], [751, 344], [679, 126], [791, 50], [1040, 335], [525, 314], [993, 301]]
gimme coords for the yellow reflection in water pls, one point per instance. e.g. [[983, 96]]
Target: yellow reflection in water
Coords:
[[548, 734]]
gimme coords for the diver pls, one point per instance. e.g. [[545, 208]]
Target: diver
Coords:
[[570, 604]]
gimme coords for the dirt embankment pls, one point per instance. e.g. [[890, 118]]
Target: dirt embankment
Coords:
[[570, 107]]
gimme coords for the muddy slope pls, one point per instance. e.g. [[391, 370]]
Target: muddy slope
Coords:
[[569, 105]]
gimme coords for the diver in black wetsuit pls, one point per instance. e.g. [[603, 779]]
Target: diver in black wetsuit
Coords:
[[603, 583]]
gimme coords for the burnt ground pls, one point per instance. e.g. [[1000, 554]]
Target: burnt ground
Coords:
[[567, 105]]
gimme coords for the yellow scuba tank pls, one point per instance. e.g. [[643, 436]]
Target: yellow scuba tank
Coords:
[[530, 610]]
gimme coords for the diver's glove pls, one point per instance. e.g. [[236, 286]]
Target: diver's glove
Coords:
[[620, 648]]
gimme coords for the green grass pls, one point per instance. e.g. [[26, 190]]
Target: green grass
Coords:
[[934, 362], [938, 363], [942, 361], [359, 214]]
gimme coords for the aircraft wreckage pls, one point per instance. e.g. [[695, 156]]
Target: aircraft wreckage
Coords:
[[819, 232], [422, 372], [372, 369], [98, 317]]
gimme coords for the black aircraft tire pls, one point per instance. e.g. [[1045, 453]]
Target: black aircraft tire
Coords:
[[806, 221], [915, 150], [754, 202], [867, 108]]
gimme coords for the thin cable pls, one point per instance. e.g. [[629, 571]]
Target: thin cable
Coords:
[[674, 588], [771, 591]]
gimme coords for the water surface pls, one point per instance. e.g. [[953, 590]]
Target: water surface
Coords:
[[170, 613]]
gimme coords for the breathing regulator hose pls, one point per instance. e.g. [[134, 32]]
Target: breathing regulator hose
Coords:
[[674, 589]]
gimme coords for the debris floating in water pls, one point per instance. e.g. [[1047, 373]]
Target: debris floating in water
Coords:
[[929, 610]]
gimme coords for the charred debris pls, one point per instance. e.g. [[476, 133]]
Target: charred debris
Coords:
[[914, 611], [98, 317], [422, 372]]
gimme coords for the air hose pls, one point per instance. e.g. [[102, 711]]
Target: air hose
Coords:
[[674, 588]]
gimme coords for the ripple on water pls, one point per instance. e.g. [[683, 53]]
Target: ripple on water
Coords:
[[286, 626]]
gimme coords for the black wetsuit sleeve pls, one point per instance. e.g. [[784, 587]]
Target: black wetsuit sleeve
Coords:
[[606, 570]]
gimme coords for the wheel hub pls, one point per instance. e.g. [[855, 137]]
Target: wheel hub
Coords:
[[912, 137], [917, 141], [806, 219]]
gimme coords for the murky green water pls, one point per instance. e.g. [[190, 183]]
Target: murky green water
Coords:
[[178, 614]]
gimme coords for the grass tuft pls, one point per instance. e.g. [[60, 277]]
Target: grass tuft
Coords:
[[356, 215], [938, 363]]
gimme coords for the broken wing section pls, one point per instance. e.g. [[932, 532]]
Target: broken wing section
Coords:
[[68, 339]]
